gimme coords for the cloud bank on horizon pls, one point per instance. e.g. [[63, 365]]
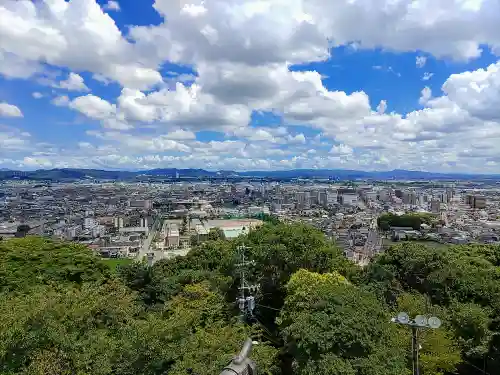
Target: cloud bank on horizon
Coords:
[[250, 84]]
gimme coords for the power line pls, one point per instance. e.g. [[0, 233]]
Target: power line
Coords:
[[477, 368], [267, 307], [270, 334]]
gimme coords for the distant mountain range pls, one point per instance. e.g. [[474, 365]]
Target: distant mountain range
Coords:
[[70, 174]]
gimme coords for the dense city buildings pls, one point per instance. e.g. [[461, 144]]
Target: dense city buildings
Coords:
[[165, 219]]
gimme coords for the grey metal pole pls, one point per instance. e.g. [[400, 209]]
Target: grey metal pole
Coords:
[[244, 353], [419, 321], [416, 370]]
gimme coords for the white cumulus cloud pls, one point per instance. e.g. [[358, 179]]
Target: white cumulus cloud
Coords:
[[75, 34], [421, 61], [9, 110], [425, 95], [112, 5], [74, 82], [94, 107]]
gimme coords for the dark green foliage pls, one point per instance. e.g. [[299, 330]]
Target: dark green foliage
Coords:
[[414, 221], [216, 234], [158, 284], [184, 226], [331, 326], [472, 324], [212, 261], [280, 250], [22, 230], [99, 330], [92, 323], [463, 280], [442, 274], [64, 312], [35, 261], [267, 218]]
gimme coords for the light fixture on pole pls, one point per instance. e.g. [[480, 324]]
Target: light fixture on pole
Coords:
[[420, 321]]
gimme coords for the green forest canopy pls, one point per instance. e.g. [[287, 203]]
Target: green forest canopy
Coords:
[[64, 311], [413, 220]]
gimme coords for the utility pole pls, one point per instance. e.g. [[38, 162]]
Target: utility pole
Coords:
[[245, 300], [415, 354], [420, 321]]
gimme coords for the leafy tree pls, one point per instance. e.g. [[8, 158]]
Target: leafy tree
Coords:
[[212, 261], [216, 234], [280, 250], [220, 344], [70, 329], [63, 312], [34, 260], [333, 327], [443, 275], [414, 220], [472, 328], [209, 256], [198, 318], [194, 240], [184, 225], [463, 280], [138, 277], [100, 330], [22, 230], [489, 252]]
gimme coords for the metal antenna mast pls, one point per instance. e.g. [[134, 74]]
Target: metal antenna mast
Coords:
[[246, 303], [419, 322]]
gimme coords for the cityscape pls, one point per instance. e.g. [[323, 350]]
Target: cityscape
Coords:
[[165, 219]]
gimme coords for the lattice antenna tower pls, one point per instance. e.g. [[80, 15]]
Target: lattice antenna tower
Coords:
[[246, 298]]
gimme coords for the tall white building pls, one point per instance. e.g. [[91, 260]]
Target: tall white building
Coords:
[[314, 197], [410, 197], [173, 239], [72, 232], [90, 223], [323, 198], [118, 222], [98, 230], [384, 195], [435, 205], [349, 198], [303, 200]]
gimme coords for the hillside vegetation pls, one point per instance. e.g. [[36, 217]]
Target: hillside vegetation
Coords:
[[64, 311]]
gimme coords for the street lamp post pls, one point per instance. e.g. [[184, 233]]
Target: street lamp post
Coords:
[[420, 321]]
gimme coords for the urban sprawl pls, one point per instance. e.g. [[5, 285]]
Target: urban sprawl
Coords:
[[162, 220]]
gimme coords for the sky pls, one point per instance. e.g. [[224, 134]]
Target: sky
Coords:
[[250, 84]]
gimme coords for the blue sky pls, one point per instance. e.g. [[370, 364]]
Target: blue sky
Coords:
[[248, 85]]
